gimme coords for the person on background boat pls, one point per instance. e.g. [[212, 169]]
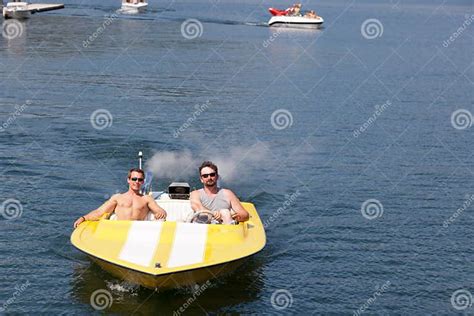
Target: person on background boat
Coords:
[[311, 14], [131, 205], [295, 10], [222, 202]]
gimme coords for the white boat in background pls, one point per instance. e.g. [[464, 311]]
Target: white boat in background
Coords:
[[16, 10], [295, 21], [134, 6]]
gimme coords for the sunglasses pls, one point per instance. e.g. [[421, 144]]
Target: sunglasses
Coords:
[[135, 179], [206, 175]]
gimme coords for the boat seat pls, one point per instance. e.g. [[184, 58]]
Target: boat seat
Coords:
[[176, 210]]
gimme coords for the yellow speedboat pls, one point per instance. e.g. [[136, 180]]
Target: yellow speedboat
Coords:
[[169, 254]]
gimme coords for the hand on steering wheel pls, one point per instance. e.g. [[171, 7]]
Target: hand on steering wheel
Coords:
[[198, 218]]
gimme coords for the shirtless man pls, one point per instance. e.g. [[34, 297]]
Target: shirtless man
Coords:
[[131, 205], [223, 203]]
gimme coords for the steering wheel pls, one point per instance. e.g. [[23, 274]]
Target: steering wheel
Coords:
[[200, 219]]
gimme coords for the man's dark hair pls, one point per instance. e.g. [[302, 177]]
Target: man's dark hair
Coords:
[[208, 164], [135, 170]]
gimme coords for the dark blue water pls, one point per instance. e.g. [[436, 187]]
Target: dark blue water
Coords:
[[357, 152]]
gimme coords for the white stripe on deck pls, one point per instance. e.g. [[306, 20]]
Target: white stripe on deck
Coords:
[[142, 240], [189, 245]]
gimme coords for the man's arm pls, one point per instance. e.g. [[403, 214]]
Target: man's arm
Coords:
[[155, 208], [196, 201], [241, 214], [107, 207]]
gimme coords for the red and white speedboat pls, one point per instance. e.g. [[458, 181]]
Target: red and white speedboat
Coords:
[[283, 18]]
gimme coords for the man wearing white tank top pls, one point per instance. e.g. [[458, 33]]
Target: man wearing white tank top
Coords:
[[223, 203]]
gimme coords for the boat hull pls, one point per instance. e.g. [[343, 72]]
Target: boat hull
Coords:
[[295, 21], [16, 14], [134, 8], [172, 280]]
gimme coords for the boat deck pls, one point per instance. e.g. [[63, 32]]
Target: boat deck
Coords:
[[39, 7]]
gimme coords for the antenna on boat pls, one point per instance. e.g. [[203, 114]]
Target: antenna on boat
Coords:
[[140, 159], [146, 188]]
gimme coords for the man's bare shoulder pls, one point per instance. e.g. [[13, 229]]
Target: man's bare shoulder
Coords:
[[148, 198], [194, 193], [117, 197], [228, 192]]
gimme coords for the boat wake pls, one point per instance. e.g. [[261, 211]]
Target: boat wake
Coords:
[[123, 287], [265, 24], [151, 14], [213, 21]]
